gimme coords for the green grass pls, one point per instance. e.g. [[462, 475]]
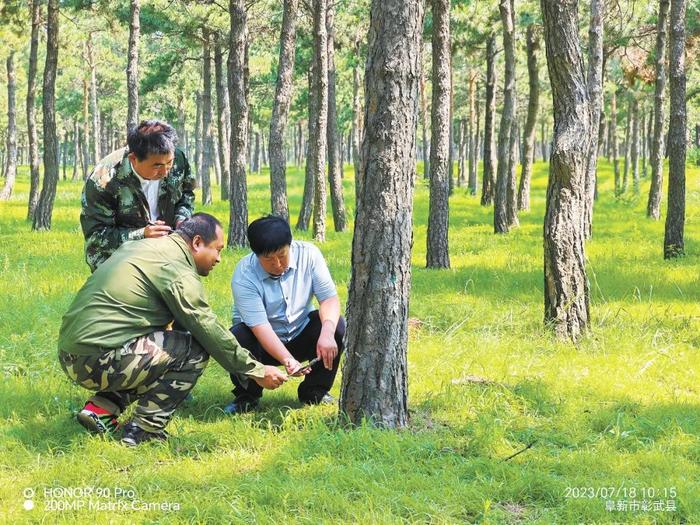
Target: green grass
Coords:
[[616, 413]]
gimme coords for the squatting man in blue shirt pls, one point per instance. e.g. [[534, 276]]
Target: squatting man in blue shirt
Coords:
[[273, 315]]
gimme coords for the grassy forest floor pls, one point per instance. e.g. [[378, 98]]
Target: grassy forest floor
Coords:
[[614, 421]]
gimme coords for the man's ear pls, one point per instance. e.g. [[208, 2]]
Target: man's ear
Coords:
[[132, 156], [197, 243]]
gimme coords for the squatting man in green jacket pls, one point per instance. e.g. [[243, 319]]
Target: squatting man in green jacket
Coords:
[[113, 339]]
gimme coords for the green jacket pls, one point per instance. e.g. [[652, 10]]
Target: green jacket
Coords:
[[140, 289], [114, 208]]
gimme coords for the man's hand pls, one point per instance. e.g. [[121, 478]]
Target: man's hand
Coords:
[[273, 378], [294, 367], [327, 349], [156, 229]]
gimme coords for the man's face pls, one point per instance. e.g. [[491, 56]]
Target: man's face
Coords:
[[275, 263], [206, 256], [153, 167]]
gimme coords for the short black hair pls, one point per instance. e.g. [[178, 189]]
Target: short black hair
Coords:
[[268, 234], [151, 137], [201, 224]]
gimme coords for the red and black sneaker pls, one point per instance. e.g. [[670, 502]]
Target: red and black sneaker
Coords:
[[97, 420]]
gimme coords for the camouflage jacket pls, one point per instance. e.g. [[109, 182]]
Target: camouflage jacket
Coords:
[[115, 210]]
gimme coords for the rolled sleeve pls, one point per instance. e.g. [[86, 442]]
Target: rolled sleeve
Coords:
[[323, 286], [248, 300]]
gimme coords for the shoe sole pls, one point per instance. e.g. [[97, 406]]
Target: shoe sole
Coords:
[[91, 422]]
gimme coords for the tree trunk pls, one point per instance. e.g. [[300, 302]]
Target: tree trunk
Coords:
[[501, 216], [490, 162], [566, 296], [255, 166], [11, 164], [31, 111], [238, 203], [64, 154], [280, 112], [44, 210], [308, 197], [375, 382], [93, 101], [628, 143], [438, 219], [675, 215], [613, 137], [317, 142], [635, 145], [198, 138], [86, 130], [132, 68], [356, 121], [224, 119], [594, 84], [532, 107], [335, 165], [513, 156], [424, 126], [461, 162], [470, 142], [207, 145], [76, 149], [657, 145]]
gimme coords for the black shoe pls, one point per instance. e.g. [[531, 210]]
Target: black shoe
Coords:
[[325, 399], [134, 435], [240, 406]]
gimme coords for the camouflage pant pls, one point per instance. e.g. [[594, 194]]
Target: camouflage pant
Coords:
[[157, 370]]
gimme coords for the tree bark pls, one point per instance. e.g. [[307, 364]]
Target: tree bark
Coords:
[[44, 210], [93, 101], [198, 137], [335, 163], [11, 164], [566, 296], [501, 215], [490, 159], [471, 136], [86, 130], [280, 112], [533, 45], [76, 149], [635, 145], [594, 85], [613, 138], [438, 219], [674, 245], [657, 144], [356, 121], [317, 142], [375, 382], [238, 203], [207, 145], [628, 143], [308, 197], [461, 146], [424, 126], [224, 119], [132, 68], [34, 176]]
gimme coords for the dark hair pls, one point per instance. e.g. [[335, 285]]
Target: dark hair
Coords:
[[268, 234], [151, 137], [201, 224]]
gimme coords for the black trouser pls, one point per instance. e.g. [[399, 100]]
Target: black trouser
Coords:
[[303, 347]]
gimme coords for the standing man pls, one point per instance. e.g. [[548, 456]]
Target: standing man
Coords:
[[142, 191], [113, 338], [273, 316]]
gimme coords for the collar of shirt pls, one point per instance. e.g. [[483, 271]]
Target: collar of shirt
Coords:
[[177, 238], [262, 274]]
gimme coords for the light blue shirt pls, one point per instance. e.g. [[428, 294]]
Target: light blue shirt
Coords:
[[284, 302]]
